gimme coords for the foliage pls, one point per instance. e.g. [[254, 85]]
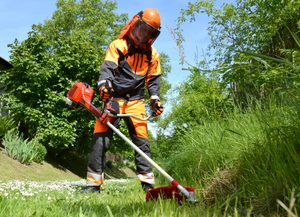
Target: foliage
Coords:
[[6, 124], [237, 29], [242, 70], [166, 69], [64, 49], [244, 26], [199, 98], [240, 158], [22, 150]]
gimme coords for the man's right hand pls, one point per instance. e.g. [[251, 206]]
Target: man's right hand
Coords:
[[105, 90]]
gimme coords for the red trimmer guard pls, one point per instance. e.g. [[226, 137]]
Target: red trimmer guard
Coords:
[[168, 192]]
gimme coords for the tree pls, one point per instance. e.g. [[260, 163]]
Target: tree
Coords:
[[66, 48], [199, 98], [241, 28]]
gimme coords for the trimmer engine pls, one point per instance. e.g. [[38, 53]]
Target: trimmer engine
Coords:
[[82, 94]]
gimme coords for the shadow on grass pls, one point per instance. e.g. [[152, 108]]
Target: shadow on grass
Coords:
[[77, 164], [68, 161]]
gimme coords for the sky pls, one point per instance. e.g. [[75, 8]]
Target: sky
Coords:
[[17, 17]]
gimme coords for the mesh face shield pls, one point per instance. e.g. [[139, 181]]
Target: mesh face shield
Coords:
[[143, 33]]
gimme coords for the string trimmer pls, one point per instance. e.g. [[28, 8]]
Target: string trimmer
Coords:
[[82, 94]]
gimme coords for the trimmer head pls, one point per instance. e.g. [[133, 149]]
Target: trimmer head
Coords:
[[171, 192]]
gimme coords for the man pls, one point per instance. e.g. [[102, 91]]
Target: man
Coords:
[[131, 64]]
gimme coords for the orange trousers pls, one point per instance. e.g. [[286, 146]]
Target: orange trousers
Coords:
[[135, 107], [138, 131]]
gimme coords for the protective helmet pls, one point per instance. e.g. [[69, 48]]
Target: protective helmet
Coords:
[[143, 28]]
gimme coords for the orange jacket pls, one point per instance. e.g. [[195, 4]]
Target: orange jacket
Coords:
[[131, 70]]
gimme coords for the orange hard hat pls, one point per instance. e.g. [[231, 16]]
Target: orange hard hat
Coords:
[[143, 28], [152, 17]]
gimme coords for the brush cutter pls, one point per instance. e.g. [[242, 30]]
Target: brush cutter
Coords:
[[82, 94]]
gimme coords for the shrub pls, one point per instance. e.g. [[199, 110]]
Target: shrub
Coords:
[[22, 150], [6, 124]]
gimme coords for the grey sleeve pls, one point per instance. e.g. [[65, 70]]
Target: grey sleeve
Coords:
[[154, 85], [107, 71]]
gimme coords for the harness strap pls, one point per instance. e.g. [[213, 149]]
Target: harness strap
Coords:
[[132, 50]]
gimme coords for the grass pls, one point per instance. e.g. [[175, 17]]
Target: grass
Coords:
[[21, 199], [11, 169], [53, 193], [250, 161], [246, 165], [47, 190], [115, 199]]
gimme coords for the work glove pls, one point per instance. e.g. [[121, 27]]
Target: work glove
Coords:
[[105, 89], [111, 107], [156, 107]]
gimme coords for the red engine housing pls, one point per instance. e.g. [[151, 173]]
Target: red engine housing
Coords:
[[83, 94]]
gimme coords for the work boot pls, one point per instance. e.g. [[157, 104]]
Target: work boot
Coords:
[[146, 186], [90, 189]]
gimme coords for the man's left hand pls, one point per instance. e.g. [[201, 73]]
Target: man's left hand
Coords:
[[156, 107]]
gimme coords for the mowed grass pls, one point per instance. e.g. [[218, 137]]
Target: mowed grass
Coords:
[[48, 190], [115, 199], [11, 169]]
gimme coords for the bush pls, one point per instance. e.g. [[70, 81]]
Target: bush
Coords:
[[22, 150], [6, 124]]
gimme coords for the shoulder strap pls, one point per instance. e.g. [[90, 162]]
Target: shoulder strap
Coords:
[[149, 54]]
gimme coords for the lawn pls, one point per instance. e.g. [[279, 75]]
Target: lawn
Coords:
[[122, 197]]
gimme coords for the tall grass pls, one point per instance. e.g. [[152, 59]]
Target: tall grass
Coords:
[[251, 159], [22, 150], [6, 123], [273, 167]]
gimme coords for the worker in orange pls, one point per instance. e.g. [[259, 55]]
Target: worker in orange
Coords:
[[130, 67]]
